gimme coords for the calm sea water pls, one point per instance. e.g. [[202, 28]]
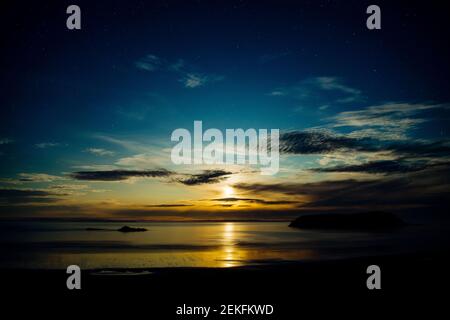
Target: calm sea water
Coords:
[[50, 245]]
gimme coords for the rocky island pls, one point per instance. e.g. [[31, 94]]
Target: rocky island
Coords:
[[123, 229], [131, 229]]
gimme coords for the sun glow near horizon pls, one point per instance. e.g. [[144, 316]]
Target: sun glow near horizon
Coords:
[[228, 191]]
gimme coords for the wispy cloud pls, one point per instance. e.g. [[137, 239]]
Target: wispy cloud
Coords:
[[206, 177], [39, 177], [178, 66], [139, 113], [189, 77], [279, 92], [119, 175], [142, 160], [378, 167], [96, 167], [25, 178], [390, 121], [424, 188], [150, 63], [125, 143], [192, 80], [335, 84], [168, 205], [254, 200], [27, 196], [321, 142], [99, 152], [319, 92], [44, 145], [6, 141], [71, 187], [347, 154]]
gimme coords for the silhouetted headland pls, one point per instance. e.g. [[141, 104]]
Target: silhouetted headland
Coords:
[[362, 221]]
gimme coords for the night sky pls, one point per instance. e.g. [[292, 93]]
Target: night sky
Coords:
[[86, 115]]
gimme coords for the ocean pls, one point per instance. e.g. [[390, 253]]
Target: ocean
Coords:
[[56, 245]]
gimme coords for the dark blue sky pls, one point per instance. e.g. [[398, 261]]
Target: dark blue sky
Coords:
[[140, 69]]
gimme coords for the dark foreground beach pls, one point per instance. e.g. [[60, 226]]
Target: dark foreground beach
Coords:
[[327, 288]]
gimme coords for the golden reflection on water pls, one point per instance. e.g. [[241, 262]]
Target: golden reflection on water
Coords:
[[229, 252], [216, 245]]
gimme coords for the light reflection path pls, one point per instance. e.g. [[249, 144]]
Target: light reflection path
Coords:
[[230, 256]]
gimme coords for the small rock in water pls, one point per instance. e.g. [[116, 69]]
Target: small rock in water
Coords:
[[131, 229]]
